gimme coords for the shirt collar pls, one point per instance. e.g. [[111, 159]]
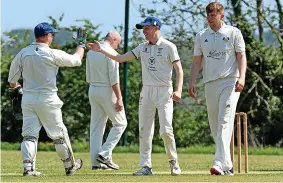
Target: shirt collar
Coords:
[[221, 30], [40, 44], [158, 42]]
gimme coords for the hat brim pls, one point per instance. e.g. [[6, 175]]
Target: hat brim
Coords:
[[52, 31], [141, 25], [55, 30]]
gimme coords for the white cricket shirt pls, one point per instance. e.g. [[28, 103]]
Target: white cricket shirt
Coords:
[[39, 66], [219, 51], [101, 70], [157, 62]]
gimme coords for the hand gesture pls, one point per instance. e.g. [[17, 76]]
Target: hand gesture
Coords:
[[81, 38], [177, 95], [96, 46], [239, 86]]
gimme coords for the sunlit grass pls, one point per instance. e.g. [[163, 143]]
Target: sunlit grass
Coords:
[[195, 168]]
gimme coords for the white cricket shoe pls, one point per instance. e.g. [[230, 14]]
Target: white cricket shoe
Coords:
[[78, 165], [144, 171], [175, 168], [32, 173]]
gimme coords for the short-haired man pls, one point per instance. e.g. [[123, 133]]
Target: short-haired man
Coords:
[[158, 57], [39, 64], [220, 48], [102, 74]]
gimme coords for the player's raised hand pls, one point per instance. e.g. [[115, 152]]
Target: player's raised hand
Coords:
[[177, 95], [96, 46], [80, 38]]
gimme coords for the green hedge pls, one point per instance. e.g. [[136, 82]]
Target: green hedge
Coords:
[[84, 147]]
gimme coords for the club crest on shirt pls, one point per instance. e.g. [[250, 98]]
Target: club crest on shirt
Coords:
[[159, 50], [225, 38], [151, 60]]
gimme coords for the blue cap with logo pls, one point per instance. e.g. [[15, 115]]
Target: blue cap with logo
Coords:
[[43, 29], [149, 21]]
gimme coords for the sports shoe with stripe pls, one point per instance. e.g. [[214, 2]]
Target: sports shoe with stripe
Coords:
[[32, 173], [229, 172], [108, 162], [101, 167], [144, 171], [78, 165], [175, 168]]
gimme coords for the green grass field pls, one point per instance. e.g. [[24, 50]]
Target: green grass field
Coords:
[[195, 168]]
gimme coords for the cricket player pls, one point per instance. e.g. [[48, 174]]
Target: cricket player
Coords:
[[102, 74], [220, 48], [158, 57], [38, 64]]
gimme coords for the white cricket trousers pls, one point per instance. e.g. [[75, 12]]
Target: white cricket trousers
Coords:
[[102, 100], [221, 100], [41, 110], [152, 98]]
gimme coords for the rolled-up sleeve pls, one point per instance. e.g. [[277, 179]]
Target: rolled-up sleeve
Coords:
[[173, 53], [239, 42], [137, 50], [64, 59], [113, 72], [15, 69], [197, 46]]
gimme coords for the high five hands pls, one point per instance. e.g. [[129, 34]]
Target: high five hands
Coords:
[[96, 46]]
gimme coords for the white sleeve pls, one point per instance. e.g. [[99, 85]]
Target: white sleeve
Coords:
[[15, 69], [87, 68], [137, 50], [63, 59], [173, 53], [239, 42], [197, 46], [113, 71]]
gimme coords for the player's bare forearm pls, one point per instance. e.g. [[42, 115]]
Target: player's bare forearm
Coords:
[[196, 66], [117, 91], [179, 75], [242, 64], [117, 57], [80, 52], [119, 103]]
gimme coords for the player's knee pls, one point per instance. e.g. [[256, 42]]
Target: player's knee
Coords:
[[166, 131], [167, 134], [30, 138], [121, 126], [58, 141]]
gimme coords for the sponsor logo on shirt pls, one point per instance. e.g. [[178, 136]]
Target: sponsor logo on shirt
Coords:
[[218, 55], [159, 50]]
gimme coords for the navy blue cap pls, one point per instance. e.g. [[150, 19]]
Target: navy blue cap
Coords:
[[43, 29], [149, 21]]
